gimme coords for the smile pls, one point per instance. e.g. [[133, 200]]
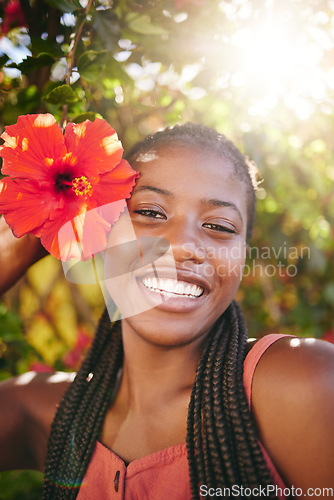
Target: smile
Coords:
[[170, 287]]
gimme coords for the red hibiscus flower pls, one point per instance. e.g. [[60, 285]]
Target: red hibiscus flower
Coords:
[[54, 178], [13, 17]]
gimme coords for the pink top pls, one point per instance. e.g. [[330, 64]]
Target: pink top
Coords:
[[162, 475]]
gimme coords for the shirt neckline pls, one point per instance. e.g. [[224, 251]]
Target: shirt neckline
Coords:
[[166, 454]]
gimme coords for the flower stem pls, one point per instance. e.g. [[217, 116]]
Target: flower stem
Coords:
[[71, 56], [76, 40]]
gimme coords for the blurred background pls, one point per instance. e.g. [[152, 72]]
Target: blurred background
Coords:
[[261, 72]]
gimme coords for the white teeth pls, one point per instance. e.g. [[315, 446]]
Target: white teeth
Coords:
[[172, 287], [154, 283], [167, 285], [194, 290]]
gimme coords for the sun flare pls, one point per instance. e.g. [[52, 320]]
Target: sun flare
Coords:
[[278, 59]]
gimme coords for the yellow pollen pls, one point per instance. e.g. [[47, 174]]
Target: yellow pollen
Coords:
[[49, 161], [81, 186]]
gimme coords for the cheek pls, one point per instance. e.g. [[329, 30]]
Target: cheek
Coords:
[[122, 231], [228, 262]]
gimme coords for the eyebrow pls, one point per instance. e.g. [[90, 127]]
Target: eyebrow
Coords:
[[219, 203], [164, 192]]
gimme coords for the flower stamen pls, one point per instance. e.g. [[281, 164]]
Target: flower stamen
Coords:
[[81, 186]]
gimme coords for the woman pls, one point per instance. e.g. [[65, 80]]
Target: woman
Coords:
[[173, 373]]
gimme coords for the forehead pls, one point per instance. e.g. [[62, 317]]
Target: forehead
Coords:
[[189, 169]]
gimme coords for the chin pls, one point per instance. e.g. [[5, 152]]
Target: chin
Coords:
[[166, 329]]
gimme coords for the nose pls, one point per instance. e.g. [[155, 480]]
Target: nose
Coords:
[[186, 243]]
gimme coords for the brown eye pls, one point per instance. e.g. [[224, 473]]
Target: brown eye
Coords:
[[219, 227], [153, 214]]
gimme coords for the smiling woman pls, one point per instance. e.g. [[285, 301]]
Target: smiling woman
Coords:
[[193, 199], [171, 401]]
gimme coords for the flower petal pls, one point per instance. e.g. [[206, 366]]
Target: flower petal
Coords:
[[82, 236], [49, 237], [115, 185], [24, 209], [29, 209], [92, 231], [95, 145], [31, 146]]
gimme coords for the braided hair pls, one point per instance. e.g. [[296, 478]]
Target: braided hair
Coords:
[[222, 440], [80, 416]]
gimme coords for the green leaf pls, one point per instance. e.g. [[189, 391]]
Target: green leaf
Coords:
[[3, 59], [10, 325], [65, 5], [47, 46], [89, 115], [28, 100], [143, 25], [32, 63], [64, 94], [91, 63]]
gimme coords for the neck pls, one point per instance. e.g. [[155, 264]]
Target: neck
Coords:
[[155, 375]]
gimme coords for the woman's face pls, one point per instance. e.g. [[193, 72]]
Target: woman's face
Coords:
[[193, 200]]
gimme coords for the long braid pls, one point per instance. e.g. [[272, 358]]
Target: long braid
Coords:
[[231, 442], [79, 419], [216, 364], [198, 435]]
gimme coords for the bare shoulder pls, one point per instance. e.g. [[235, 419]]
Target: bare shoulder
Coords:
[[293, 405], [28, 405], [40, 393]]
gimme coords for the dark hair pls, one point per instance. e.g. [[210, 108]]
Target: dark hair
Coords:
[[222, 441], [200, 136]]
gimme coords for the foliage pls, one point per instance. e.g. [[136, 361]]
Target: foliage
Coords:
[[259, 72], [13, 347], [25, 485]]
